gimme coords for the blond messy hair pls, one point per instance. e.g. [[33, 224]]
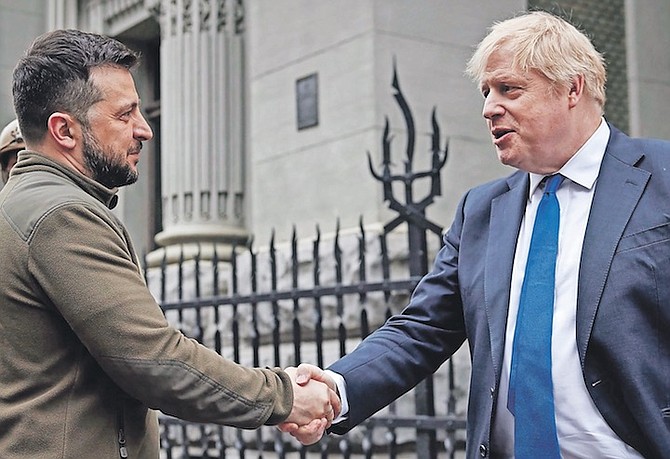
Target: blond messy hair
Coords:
[[547, 44]]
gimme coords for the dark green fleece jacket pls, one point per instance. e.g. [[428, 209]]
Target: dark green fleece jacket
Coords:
[[86, 353]]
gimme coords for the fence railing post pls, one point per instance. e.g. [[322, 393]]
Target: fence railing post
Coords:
[[413, 212]]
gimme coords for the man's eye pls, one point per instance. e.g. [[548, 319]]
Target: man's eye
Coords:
[[485, 93]]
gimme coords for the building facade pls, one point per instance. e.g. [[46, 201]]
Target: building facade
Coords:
[[265, 111]]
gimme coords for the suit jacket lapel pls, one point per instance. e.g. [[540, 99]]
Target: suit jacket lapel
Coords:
[[618, 189], [506, 213]]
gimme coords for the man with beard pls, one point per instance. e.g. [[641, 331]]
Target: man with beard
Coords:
[[87, 354]]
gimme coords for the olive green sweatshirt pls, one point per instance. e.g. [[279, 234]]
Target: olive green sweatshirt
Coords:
[[86, 354]]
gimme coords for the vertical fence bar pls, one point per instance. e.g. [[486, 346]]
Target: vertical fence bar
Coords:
[[362, 279], [318, 319], [234, 321], [342, 328], [234, 325], [198, 311], [255, 334], [450, 440], [215, 292], [318, 315], [276, 332], [297, 333]]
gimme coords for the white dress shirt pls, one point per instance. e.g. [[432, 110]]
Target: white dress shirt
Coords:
[[582, 431]]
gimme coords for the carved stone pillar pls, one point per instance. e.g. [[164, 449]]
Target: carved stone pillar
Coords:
[[61, 14], [202, 126]]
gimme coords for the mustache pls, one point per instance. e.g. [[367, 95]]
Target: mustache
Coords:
[[136, 148]]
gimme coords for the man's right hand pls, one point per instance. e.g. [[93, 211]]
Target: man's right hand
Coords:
[[309, 418]]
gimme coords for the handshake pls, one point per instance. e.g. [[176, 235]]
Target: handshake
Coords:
[[316, 403]]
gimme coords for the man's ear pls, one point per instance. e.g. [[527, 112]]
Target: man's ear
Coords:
[[63, 129], [576, 90]]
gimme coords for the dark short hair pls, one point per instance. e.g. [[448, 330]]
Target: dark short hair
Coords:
[[53, 76]]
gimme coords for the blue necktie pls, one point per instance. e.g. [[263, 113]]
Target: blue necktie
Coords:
[[531, 396]]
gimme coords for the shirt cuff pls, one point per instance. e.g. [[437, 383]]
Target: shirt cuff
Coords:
[[342, 391]]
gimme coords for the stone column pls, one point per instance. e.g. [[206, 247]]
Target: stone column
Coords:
[[61, 14], [202, 126]]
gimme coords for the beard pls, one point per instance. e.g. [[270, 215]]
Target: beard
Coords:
[[105, 166]]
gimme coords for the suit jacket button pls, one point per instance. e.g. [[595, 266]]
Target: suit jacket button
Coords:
[[483, 450]]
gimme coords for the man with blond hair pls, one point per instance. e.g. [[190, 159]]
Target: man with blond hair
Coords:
[[558, 276]]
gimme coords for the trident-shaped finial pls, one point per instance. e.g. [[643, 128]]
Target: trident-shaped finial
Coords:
[[410, 210]]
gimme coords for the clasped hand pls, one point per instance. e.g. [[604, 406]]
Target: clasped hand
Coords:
[[315, 404]]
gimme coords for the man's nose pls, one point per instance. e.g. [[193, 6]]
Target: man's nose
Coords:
[[492, 106], [143, 131]]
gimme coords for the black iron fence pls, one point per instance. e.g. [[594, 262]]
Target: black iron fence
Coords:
[[313, 301]]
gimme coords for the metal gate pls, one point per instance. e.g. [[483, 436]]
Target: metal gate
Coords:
[[284, 305]]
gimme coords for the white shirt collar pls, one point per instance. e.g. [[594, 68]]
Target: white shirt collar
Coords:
[[584, 165]]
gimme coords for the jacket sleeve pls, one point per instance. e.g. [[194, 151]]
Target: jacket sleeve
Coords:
[[410, 345], [83, 264]]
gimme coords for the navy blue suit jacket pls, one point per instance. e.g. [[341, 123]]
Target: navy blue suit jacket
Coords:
[[623, 305]]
